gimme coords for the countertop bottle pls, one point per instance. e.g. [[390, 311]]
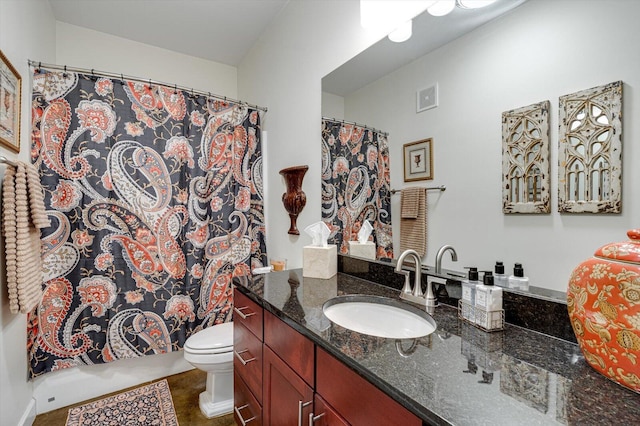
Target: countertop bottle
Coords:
[[488, 304], [518, 280], [499, 277], [469, 294]]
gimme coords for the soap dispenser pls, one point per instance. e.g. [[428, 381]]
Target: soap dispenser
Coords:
[[499, 277], [469, 294], [489, 304], [518, 280]]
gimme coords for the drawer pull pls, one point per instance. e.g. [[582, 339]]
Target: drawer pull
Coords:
[[312, 418], [242, 420], [301, 405], [242, 314], [242, 360]]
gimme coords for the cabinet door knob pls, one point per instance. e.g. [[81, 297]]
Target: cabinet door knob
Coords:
[[301, 406], [312, 418], [242, 314], [242, 360], [242, 420]]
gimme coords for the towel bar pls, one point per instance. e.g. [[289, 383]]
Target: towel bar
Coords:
[[429, 188]]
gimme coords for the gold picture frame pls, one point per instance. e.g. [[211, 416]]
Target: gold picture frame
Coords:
[[10, 104], [418, 160]]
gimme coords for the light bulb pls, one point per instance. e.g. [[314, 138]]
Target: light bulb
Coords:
[[441, 7], [402, 33], [475, 4]]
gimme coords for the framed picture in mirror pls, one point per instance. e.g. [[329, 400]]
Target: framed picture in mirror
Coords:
[[10, 87], [418, 160]]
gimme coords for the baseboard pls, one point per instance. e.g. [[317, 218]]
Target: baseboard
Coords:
[[73, 385], [29, 414]]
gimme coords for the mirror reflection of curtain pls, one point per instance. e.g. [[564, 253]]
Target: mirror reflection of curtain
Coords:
[[155, 200], [356, 185]]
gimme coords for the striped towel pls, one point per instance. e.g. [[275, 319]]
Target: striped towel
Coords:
[[413, 230], [23, 215]]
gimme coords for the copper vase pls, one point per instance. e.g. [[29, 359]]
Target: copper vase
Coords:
[[294, 199]]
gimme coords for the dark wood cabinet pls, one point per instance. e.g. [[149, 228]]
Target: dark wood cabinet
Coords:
[[358, 401], [288, 400], [247, 360], [281, 378]]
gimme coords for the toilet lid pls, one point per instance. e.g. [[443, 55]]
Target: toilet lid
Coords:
[[212, 339]]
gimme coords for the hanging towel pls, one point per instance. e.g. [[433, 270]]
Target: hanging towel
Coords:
[[410, 202], [23, 215], [413, 230]]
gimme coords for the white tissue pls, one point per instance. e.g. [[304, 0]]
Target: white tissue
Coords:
[[319, 232], [364, 232]]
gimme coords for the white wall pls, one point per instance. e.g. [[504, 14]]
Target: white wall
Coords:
[[332, 106], [283, 72], [85, 48], [76, 46], [539, 51], [27, 31]]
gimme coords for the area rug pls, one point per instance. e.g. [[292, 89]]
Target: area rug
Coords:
[[146, 405]]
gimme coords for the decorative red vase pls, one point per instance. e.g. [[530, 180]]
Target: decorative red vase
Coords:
[[604, 307], [294, 199]]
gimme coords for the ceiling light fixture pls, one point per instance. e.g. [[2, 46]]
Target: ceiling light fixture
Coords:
[[402, 33], [441, 7], [392, 17], [444, 7]]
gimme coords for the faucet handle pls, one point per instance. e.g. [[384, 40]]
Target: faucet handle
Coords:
[[407, 282]]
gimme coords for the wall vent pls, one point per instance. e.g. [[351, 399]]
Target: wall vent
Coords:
[[427, 98]]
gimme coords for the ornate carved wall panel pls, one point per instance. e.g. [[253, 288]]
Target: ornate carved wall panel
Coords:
[[525, 159], [590, 151]]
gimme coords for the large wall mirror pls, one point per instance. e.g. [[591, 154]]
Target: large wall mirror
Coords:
[[485, 62]]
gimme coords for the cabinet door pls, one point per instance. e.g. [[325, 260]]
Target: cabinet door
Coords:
[[246, 410], [287, 399], [247, 358], [357, 400], [324, 415], [296, 350]]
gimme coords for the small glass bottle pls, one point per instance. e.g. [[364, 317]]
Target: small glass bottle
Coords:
[[488, 304], [518, 280], [469, 294], [499, 277]]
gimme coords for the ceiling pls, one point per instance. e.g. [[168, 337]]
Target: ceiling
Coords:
[[224, 31], [218, 30], [429, 33]]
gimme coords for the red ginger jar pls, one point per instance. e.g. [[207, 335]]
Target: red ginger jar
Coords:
[[604, 307]]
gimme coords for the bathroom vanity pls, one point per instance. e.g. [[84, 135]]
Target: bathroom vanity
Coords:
[[286, 379], [294, 366]]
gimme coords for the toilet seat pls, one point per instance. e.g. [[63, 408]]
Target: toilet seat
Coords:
[[216, 339]]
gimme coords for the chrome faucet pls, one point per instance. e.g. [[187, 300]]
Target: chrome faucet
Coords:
[[415, 295], [441, 251]]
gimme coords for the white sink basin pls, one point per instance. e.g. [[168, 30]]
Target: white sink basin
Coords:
[[379, 316]]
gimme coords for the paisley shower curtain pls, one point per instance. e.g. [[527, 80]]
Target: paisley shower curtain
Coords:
[[355, 185], [156, 201]]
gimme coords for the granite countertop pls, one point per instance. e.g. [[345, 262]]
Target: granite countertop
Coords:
[[460, 374]]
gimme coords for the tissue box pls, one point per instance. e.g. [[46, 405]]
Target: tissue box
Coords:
[[366, 250], [319, 262]]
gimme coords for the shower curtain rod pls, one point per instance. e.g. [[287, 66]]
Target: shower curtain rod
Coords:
[[92, 71], [356, 124]]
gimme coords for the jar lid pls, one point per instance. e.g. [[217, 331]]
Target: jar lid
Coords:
[[628, 251]]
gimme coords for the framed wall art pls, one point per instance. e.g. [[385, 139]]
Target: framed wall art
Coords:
[[418, 160], [10, 89], [525, 159], [590, 150]]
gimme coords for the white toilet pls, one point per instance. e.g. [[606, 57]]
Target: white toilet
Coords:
[[211, 350]]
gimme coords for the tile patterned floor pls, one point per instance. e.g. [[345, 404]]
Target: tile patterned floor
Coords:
[[185, 388]]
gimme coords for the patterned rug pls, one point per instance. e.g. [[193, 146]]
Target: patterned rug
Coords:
[[145, 405]]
